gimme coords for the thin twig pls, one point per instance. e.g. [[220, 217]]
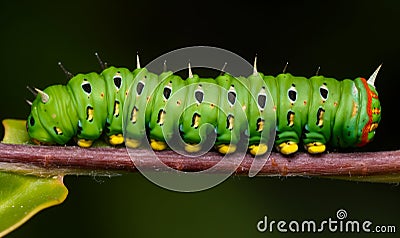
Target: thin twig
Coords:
[[73, 159]]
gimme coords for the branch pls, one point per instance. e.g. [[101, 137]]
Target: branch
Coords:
[[381, 166]]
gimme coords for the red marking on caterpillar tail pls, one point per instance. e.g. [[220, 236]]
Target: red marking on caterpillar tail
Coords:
[[365, 130]]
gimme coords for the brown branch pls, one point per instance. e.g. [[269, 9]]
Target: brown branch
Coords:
[[107, 160]]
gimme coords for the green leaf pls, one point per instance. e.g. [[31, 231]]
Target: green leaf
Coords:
[[21, 195]]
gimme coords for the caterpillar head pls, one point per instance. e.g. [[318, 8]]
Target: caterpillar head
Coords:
[[370, 114], [48, 122]]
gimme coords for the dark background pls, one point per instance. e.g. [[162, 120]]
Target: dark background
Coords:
[[346, 38]]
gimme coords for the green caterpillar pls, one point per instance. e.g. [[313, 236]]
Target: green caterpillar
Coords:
[[315, 112]]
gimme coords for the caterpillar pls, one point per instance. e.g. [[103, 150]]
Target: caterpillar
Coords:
[[316, 112]]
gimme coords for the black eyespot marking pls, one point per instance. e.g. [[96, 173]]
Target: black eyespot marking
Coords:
[[199, 95], [167, 92], [292, 94], [32, 121], [117, 81], [261, 100], [139, 87], [323, 91], [232, 95], [86, 87]]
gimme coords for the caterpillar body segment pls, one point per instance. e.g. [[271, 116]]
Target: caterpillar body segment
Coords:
[[180, 108]]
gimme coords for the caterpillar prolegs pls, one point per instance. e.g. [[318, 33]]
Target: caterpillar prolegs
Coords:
[[315, 112]]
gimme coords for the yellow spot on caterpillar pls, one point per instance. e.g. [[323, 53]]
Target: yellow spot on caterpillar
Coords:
[[259, 149], [158, 145], [315, 147], [53, 116], [116, 139], [131, 143], [288, 147], [354, 110], [226, 148], [373, 127], [192, 148], [84, 143]]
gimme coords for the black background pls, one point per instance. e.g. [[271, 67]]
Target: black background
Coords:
[[346, 39]]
